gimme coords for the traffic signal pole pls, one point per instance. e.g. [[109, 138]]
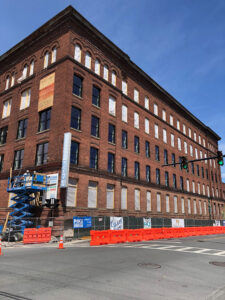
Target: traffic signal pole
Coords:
[[193, 160]]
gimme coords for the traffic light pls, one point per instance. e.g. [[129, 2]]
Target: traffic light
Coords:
[[220, 158], [52, 203], [184, 163]]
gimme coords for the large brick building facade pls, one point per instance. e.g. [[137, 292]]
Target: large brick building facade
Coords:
[[68, 77]]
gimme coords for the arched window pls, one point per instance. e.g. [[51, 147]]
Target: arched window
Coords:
[[114, 78], [106, 72], [54, 50], [13, 79], [46, 58], [88, 60], [25, 68], [7, 83], [32, 67], [97, 66], [77, 53]]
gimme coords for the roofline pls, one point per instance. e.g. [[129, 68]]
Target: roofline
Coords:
[[78, 17]]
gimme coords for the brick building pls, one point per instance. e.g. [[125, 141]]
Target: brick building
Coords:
[[68, 77]]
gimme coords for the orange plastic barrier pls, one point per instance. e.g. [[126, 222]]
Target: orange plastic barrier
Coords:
[[117, 236], [134, 235], [36, 236], [100, 237]]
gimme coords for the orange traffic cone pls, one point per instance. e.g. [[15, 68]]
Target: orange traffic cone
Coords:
[[0, 247], [61, 243]]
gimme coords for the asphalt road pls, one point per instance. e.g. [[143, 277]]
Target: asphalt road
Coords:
[[164, 269]]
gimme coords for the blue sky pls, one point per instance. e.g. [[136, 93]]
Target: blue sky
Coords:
[[179, 43]]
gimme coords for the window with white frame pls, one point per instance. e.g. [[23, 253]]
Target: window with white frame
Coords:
[[164, 136], [199, 139], [6, 108], [195, 207], [110, 196], [200, 207], [136, 120], [201, 156], [112, 106], [179, 144], [158, 201], [188, 185], [97, 66], [205, 208], [189, 206], [156, 131], [167, 203], [178, 124], [54, 51], [185, 147], [203, 142], [31, 68], [199, 192], [147, 125], [203, 189], [137, 199], [106, 72], [193, 186], [113, 78], [25, 99], [195, 137], [13, 80], [172, 139], [124, 87], [25, 69], [171, 120], [208, 194], [175, 204], [191, 150], [88, 60], [182, 205], [148, 201], [189, 132], [71, 193], [46, 59], [92, 194], [155, 109], [77, 53], [136, 95], [196, 153], [164, 115], [205, 157], [184, 129], [7, 83], [146, 102], [124, 197], [124, 113]]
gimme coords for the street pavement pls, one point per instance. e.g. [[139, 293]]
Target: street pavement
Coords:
[[188, 268]]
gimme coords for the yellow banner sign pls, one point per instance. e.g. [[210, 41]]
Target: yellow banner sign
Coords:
[[46, 92]]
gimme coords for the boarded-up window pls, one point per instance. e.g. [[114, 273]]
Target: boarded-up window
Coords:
[[167, 203], [195, 207], [124, 113], [148, 200], [147, 125], [25, 99], [136, 120], [182, 205], [175, 204], [200, 207], [137, 199], [124, 87], [189, 206], [71, 196], [158, 202], [205, 208], [172, 140], [156, 131], [110, 196], [124, 198], [92, 194]]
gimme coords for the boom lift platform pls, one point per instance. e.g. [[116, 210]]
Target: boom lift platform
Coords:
[[25, 189]]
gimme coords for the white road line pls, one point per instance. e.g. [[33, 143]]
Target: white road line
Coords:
[[201, 250], [183, 249], [165, 247], [221, 253]]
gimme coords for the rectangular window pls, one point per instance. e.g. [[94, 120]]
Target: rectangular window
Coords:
[[205, 208], [71, 193], [181, 183], [158, 199], [173, 160], [147, 149], [171, 120], [124, 87], [1, 161], [175, 204], [110, 196], [196, 153], [136, 120], [203, 189], [112, 134], [189, 206], [136, 95], [136, 170], [184, 129], [156, 109], [164, 136], [111, 162], [96, 96], [195, 207], [44, 119], [106, 72], [192, 168], [195, 137], [164, 115], [166, 179], [124, 113], [22, 129], [148, 201], [6, 108], [185, 148], [42, 154], [92, 194], [198, 173], [77, 85], [124, 167], [167, 203], [182, 205], [94, 126], [112, 106], [25, 99], [174, 181], [75, 118], [136, 144], [172, 139], [124, 197], [146, 125], [157, 157], [165, 157], [18, 159], [199, 192], [178, 124], [74, 153], [179, 144], [203, 142], [93, 158], [114, 78], [193, 186], [148, 175], [199, 139], [156, 131], [146, 102], [137, 199], [157, 176], [188, 185], [191, 150], [189, 132], [3, 135], [124, 139]]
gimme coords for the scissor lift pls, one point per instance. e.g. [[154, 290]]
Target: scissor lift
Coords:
[[24, 188]]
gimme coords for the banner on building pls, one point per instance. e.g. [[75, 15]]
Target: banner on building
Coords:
[[116, 223], [216, 223], [66, 160], [82, 222], [177, 223], [46, 92], [147, 223], [223, 223], [52, 186]]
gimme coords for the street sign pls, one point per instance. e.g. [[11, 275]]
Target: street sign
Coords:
[[82, 222]]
